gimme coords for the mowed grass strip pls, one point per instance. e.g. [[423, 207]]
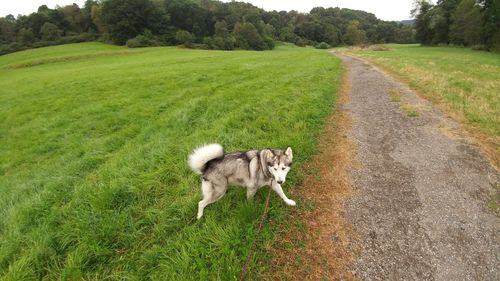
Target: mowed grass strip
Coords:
[[466, 81], [93, 176]]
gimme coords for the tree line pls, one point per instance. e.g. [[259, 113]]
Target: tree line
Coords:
[[470, 23], [195, 23]]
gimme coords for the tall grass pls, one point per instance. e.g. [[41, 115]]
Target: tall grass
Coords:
[[93, 176]]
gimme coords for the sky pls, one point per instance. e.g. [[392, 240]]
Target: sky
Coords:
[[383, 9]]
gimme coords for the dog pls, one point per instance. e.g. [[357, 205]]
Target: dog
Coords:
[[252, 169]]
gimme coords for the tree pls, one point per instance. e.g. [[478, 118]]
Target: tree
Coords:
[[247, 37], [310, 29], [74, 17], [125, 19], [438, 25], [268, 30], [405, 34], [188, 15], [184, 37], [422, 15], [34, 22], [354, 35], [26, 37], [96, 16], [466, 24], [287, 34], [331, 35], [441, 25], [491, 27], [7, 29], [50, 32], [221, 29]]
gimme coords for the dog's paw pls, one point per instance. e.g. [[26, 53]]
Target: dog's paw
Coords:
[[291, 202], [199, 216]]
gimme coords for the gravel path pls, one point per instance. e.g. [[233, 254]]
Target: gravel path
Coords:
[[420, 200]]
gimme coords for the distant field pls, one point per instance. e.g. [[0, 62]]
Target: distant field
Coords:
[[93, 146], [466, 81]]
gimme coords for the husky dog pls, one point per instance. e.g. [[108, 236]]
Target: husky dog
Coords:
[[252, 169]]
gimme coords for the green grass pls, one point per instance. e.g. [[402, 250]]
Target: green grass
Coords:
[[93, 146], [464, 80]]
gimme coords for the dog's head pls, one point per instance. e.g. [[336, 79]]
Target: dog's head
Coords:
[[278, 163]]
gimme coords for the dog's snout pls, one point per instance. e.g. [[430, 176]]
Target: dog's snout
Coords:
[[280, 181]]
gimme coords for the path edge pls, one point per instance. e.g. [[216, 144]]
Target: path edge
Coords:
[[487, 145], [318, 244]]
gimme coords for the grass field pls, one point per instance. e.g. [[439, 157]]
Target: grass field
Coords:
[[466, 81], [93, 145]]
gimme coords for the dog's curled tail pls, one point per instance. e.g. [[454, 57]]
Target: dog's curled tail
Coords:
[[201, 155]]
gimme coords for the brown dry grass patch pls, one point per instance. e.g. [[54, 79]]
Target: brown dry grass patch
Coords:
[[410, 110], [316, 244], [394, 95]]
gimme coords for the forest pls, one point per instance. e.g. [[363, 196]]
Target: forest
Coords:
[[205, 24], [469, 23]]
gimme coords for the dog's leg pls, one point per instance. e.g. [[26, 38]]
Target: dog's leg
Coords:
[[251, 192], [212, 192], [209, 196], [219, 190], [208, 191], [277, 187]]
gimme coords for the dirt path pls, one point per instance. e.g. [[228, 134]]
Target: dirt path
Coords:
[[420, 200]]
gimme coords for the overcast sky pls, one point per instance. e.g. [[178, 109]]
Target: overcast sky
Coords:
[[383, 9]]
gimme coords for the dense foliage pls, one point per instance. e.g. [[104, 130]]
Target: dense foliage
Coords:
[[471, 23], [203, 23]]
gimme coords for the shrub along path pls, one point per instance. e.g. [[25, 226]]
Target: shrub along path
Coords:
[[425, 200]]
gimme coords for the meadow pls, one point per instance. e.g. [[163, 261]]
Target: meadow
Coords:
[[94, 139], [465, 81]]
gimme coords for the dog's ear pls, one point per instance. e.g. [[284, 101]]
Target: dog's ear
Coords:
[[288, 152], [268, 154]]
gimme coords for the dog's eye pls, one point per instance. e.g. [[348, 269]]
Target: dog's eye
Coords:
[[275, 169], [283, 168]]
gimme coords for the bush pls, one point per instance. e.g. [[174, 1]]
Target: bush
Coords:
[[82, 37], [209, 42], [247, 37], [479, 47], [10, 48], [141, 41], [41, 44], [26, 37], [269, 42], [323, 45], [50, 32], [300, 42], [147, 39], [220, 42], [184, 37]]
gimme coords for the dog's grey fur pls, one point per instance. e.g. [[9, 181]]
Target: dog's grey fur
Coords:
[[252, 169]]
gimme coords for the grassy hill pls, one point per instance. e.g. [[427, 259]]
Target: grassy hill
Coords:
[[93, 145]]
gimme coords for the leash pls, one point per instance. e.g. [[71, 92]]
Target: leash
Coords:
[[252, 250]]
